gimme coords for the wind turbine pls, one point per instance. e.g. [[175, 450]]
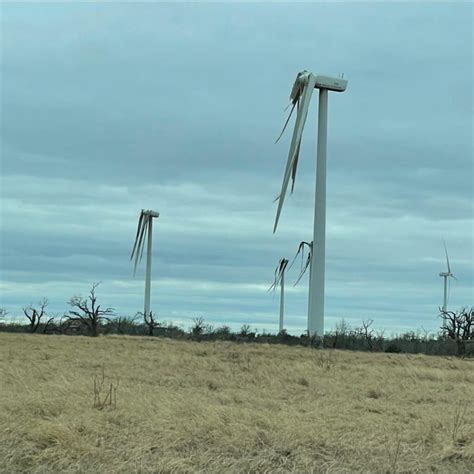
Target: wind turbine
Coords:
[[300, 97], [145, 226], [446, 275], [280, 280]]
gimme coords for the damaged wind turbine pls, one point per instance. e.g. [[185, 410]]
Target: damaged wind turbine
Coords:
[[145, 226], [300, 98], [280, 280]]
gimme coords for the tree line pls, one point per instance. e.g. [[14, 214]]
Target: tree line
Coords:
[[89, 318]]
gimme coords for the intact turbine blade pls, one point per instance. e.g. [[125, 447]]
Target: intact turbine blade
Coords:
[[447, 258]]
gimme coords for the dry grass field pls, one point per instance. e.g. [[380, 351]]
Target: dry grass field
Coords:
[[225, 407]]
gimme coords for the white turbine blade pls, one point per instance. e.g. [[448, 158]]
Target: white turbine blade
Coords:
[[296, 255], [286, 123], [274, 284], [140, 244], [279, 270], [297, 91], [291, 152], [303, 271], [144, 234], [137, 235], [447, 258], [295, 142], [295, 166]]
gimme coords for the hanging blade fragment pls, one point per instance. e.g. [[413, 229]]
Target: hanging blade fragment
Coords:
[[303, 271], [138, 250], [308, 260], [309, 81], [144, 234], [137, 234], [295, 95], [279, 270]]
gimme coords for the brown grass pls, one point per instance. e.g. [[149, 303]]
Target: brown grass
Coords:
[[223, 407]]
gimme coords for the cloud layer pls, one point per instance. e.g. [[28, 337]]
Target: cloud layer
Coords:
[[107, 109]]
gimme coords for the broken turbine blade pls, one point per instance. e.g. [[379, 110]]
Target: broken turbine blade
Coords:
[[293, 154], [136, 236]]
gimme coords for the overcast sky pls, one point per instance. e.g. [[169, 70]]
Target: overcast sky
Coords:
[[110, 108]]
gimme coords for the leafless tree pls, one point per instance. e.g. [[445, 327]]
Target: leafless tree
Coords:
[[35, 315], [198, 327], [458, 326], [150, 322], [125, 323], [367, 333], [88, 313], [341, 331]]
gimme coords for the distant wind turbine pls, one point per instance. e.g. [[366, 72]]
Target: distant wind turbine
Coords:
[[145, 226], [300, 98], [446, 275], [280, 280]]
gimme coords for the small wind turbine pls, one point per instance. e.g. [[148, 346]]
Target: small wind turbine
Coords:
[[300, 97], [446, 275], [145, 226], [280, 280]]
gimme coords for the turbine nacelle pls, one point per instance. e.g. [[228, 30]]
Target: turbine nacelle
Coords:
[[150, 213], [335, 84]]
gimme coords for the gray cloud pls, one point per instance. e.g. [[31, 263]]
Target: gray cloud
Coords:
[[110, 108]]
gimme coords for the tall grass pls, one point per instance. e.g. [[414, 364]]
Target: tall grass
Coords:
[[184, 406]]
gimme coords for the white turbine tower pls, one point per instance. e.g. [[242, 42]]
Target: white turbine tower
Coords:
[[280, 280], [300, 96], [446, 275], [145, 226]]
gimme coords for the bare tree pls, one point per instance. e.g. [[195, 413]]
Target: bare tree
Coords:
[[35, 315], [126, 323], [150, 322], [198, 327], [458, 326], [88, 313], [341, 331], [367, 333]]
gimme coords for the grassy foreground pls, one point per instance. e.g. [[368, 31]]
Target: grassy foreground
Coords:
[[224, 407]]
